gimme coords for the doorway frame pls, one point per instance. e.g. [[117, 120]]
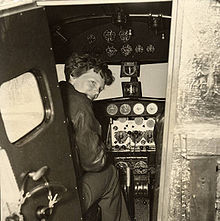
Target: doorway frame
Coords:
[[171, 89], [170, 108]]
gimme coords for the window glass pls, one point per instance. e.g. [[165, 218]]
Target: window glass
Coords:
[[21, 106]]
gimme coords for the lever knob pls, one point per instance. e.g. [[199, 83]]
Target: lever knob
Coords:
[[39, 173]]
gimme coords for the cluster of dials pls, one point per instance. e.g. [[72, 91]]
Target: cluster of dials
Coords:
[[137, 164], [132, 135], [137, 109], [124, 36], [135, 137]]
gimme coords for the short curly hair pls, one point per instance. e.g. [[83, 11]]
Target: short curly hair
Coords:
[[76, 65]]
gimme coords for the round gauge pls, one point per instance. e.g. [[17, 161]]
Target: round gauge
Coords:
[[138, 108], [125, 109], [112, 109], [140, 167], [152, 108], [150, 122], [139, 120], [121, 165]]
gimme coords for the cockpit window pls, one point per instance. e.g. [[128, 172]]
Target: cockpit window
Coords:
[[21, 106]]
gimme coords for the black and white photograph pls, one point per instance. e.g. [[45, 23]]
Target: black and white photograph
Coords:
[[110, 110]]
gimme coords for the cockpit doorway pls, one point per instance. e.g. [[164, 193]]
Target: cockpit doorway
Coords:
[[133, 38]]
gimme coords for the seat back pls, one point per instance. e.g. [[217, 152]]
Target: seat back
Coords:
[[94, 212]]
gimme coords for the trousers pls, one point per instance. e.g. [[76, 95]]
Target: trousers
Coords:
[[104, 187]]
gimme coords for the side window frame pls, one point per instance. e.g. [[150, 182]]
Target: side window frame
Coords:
[[48, 113]]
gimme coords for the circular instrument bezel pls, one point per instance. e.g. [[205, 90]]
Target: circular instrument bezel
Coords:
[[152, 108], [138, 108], [150, 123], [121, 165], [112, 109], [125, 109], [141, 167]]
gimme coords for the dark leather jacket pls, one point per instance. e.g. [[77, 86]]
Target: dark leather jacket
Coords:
[[85, 129]]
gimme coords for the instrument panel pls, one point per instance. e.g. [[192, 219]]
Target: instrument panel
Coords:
[[128, 122], [128, 126], [126, 109], [133, 108], [116, 44], [132, 135]]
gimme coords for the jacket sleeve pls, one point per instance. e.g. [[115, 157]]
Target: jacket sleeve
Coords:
[[90, 147]]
